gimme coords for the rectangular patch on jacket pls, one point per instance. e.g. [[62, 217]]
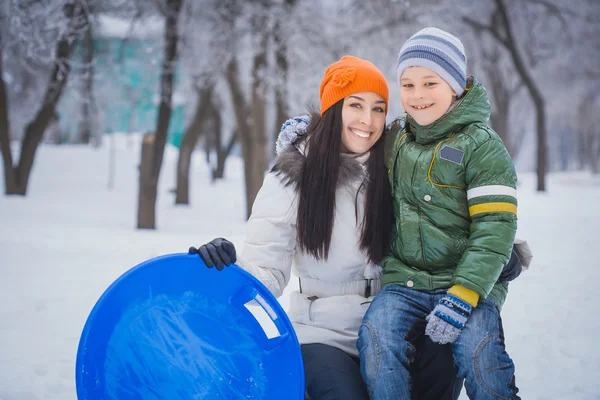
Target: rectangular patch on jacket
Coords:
[[451, 154]]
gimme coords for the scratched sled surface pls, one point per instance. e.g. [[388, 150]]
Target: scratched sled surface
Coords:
[[170, 328]]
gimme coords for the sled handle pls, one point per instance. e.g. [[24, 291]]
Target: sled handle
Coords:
[[268, 326]]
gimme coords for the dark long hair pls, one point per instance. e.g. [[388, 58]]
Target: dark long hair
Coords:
[[317, 189]]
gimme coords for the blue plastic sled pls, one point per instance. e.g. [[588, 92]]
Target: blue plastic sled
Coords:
[[170, 328]]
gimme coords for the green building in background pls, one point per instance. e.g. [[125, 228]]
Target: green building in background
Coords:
[[126, 87]]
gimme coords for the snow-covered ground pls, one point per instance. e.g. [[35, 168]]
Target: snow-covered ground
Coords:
[[63, 244]]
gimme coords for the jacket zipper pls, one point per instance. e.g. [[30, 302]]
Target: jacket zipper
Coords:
[[421, 238], [412, 184]]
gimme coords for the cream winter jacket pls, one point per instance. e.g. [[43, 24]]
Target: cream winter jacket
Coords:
[[331, 302]]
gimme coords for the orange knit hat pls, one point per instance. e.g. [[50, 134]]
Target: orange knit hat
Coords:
[[351, 75]]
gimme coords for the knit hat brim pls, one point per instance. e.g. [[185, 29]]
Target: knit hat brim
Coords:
[[351, 75], [439, 51], [458, 87]]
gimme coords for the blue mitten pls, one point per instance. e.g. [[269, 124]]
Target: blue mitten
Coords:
[[290, 130], [447, 319]]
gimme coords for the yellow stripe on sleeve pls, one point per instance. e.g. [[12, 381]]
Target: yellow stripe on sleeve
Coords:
[[492, 207]]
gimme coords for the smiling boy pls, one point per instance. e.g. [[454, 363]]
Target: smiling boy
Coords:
[[455, 207]]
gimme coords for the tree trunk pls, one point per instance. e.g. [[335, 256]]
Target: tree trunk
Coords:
[[10, 183], [501, 99], [217, 126], [256, 138], [510, 44], [222, 155], [86, 124], [244, 130], [149, 193], [596, 159], [188, 144], [587, 137], [34, 131], [535, 95], [222, 152], [281, 113]]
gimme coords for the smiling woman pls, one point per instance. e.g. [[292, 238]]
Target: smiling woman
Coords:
[[363, 120]]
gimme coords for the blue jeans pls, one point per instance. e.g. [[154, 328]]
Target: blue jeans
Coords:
[[396, 318]]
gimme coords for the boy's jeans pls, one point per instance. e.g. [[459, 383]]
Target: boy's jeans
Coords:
[[397, 317]]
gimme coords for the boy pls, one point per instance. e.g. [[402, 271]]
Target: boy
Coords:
[[455, 206]]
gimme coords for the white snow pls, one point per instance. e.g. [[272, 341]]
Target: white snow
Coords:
[[70, 237]]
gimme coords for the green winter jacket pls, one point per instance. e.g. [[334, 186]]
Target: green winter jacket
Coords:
[[454, 196]]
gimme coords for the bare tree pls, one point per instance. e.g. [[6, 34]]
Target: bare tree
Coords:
[[588, 122], [148, 183], [502, 87], [86, 123], [250, 114], [254, 141], [242, 115], [189, 141], [17, 176], [501, 28], [222, 152], [209, 36]]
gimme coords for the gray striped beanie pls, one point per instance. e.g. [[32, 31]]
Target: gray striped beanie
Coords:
[[439, 51]]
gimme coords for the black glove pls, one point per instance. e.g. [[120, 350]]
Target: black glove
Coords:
[[218, 253], [512, 269]]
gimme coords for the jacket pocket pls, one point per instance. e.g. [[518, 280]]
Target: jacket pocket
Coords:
[[300, 308], [335, 313], [446, 168]]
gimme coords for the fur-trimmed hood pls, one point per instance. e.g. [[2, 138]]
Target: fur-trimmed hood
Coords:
[[291, 161], [292, 147]]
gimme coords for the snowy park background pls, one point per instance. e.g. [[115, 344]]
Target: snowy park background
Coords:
[[62, 245], [212, 81]]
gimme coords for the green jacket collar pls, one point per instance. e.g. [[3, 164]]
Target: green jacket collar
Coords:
[[472, 107]]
